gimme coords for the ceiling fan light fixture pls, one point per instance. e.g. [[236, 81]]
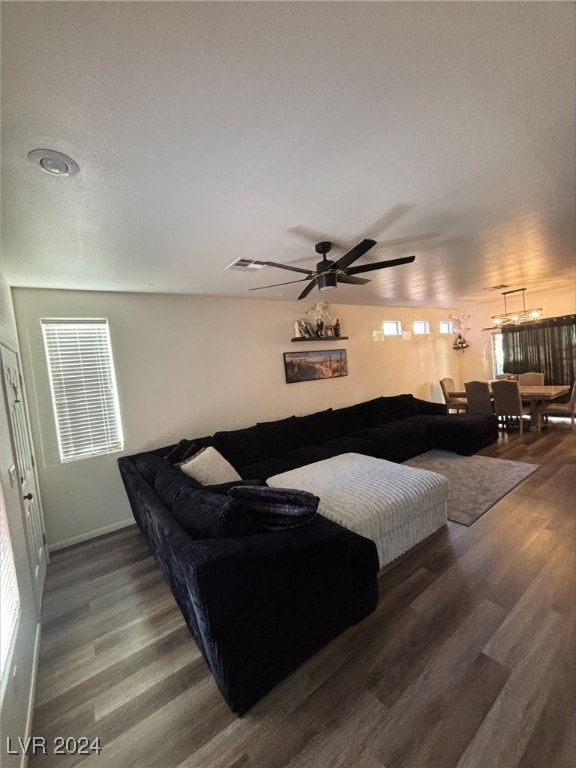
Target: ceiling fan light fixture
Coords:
[[327, 281]]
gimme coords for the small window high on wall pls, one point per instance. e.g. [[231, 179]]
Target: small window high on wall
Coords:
[[421, 327], [83, 387], [392, 328], [446, 326]]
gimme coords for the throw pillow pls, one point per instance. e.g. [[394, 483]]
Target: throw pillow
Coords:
[[225, 487], [208, 466], [277, 508], [183, 450], [206, 515], [282, 435]]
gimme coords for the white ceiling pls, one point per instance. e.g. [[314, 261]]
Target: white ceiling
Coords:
[[206, 132]]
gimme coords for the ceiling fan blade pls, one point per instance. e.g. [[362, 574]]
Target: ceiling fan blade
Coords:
[[316, 237], [354, 254], [380, 265], [352, 280], [286, 266], [387, 219], [308, 289], [275, 285]]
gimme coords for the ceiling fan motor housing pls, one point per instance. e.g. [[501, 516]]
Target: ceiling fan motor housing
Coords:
[[327, 281]]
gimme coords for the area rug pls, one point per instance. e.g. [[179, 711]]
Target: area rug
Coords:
[[476, 482]]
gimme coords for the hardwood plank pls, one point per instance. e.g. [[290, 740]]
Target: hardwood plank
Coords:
[[506, 730]]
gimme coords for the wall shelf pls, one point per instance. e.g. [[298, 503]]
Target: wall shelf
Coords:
[[320, 338]]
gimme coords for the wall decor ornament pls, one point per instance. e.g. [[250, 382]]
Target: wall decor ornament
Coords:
[[458, 321], [320, 364], [318, 312]]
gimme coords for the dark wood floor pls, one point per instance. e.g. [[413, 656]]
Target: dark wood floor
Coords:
[[468, 660]]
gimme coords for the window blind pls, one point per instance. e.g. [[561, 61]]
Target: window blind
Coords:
[[83, 387], [10, 604]]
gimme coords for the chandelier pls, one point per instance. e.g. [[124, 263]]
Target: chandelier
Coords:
[[518, 316]]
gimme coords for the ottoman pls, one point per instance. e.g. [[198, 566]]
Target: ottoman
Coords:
[[394, 505]]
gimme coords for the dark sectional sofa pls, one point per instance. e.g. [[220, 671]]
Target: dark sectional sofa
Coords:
[[393, 428], [258, 602]]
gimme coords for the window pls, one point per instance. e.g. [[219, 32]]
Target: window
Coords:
[[10, 605], [392, 328], [83, 387], [446, 326], [421, 327], [497, 354]]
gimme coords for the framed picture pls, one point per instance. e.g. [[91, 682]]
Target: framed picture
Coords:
[[329, 330], [320, 364], [307, 331]]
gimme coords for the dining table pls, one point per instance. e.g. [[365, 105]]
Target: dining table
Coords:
[[534, 396]]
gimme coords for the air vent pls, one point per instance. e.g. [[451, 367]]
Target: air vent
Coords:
[[246, 265]]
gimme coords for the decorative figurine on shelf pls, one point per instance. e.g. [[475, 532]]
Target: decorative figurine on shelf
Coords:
[[337, 328], [319, 328], [460, 343]]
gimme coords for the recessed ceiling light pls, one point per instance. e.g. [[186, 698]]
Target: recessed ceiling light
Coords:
[[54, 163]]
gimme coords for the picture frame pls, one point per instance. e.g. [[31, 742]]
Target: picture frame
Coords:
[[329, 330], [315, 365]]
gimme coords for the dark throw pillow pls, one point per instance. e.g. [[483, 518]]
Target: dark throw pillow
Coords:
[[402, 406], [182, 451], [225, 487], [277, 508]]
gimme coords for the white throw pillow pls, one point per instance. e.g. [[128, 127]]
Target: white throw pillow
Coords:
[[209, 467]]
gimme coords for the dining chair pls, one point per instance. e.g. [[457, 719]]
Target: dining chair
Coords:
[[452, 403], [478, 397], [561, 409], [531, 379], [507, 401], [507, 376]]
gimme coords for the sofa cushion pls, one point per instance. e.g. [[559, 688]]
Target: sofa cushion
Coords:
[[169, 480], [277, 508], [396, 440], [462, 433], [319, 427], [307, 455], [402, 406], [183, 450], [376, 411], [266, 468], [149, 464], [208, 466], [352, 445], [281, 436], [350, 419], [207, 515], [241, 446]]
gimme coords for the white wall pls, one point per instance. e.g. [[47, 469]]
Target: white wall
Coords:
[[476, 362], [188, 366], [18, 684]]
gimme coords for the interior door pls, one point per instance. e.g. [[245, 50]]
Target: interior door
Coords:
[[25, 470]]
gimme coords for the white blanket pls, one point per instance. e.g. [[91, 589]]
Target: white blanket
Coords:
[[382, 500]]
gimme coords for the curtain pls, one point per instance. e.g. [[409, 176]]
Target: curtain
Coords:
[[547, 346]]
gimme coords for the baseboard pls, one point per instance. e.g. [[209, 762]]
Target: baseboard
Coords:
[[32, 692], [92, 534]]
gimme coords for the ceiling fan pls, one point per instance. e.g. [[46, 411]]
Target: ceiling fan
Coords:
[[328, 273]]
